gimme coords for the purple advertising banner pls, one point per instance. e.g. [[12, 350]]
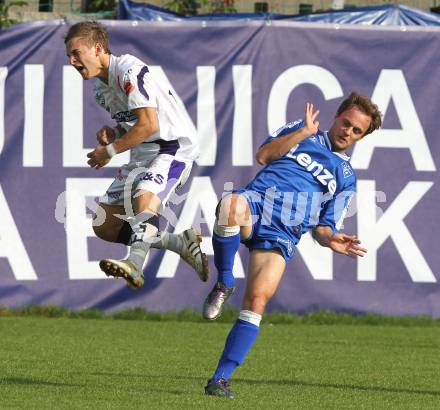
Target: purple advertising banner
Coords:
[[239, 81]]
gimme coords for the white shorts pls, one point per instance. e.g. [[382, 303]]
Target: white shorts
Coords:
[[162, 176]]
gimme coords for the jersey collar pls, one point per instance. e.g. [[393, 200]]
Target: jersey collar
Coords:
[[328, 144], [111, 70], [111, 74]]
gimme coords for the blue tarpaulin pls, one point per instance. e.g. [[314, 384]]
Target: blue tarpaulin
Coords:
[[130, 10], [386, 15]]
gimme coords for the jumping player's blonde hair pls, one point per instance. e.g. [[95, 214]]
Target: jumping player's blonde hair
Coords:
[[91, 32]]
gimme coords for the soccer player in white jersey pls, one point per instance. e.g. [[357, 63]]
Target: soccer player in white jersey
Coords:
[[151, 124], [306, 185]]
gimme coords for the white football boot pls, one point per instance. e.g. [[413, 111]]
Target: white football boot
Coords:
[[192, 254], [123, 269]]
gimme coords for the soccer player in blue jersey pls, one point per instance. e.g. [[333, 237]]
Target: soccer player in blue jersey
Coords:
[[306, 184]]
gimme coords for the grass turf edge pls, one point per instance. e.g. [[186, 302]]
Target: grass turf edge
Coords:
[[317, 317]]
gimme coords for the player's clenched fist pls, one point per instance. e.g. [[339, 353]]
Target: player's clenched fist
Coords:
[[106, 135]]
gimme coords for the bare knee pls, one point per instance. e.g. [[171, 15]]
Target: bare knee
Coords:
[[106, 223], [107, 229], [105, 232], [232, 210], [255, 303], [99, 231]]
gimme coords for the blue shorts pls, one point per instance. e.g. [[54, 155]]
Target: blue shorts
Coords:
[[268, 231]]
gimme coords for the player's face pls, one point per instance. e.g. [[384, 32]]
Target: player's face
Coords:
[[348, 128], [83, 57]]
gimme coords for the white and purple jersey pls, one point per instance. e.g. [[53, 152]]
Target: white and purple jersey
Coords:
[[131, 85], [163, 162]]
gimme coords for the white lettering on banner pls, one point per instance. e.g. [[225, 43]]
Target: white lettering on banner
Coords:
[[11, 245], [317, 258], [3, 76], [206, 123], [74, 154], [242, 141], [373, 232], [289, 80], [78, 226], [392, 85], [33, 115], [206, 130], [202, 198]]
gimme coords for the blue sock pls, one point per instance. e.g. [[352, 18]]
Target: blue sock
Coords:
[[238, 343], [225, 249]]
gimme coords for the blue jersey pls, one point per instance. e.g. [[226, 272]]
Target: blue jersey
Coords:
[[308, 186]]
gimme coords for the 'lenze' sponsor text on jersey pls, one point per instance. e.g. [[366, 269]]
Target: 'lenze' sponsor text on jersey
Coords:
[[308, 170], [130, 86], [324, 176]]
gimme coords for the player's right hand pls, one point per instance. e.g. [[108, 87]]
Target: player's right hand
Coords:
[[98, 158], [310, 119], [106, 135]]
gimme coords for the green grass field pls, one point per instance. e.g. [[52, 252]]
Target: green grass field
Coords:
[[63, 363]]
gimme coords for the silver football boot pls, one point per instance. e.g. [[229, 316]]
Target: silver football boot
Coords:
[[123, 269], [215, 301], [192, 254]]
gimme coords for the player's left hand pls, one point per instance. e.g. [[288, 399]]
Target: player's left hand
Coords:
[[347, 245], [98, 157], [311, 123]]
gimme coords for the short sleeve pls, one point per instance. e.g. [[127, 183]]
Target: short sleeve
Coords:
[[140, 88], [284, 130]]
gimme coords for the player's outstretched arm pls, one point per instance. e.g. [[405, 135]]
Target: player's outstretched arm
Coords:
[[342, 243], [279, 146]]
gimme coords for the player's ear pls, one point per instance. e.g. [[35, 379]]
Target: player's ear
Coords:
[[99, 48]]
